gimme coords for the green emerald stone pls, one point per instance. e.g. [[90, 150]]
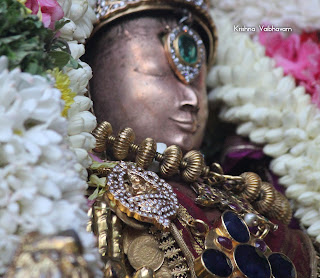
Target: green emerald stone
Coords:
[[188, 49]]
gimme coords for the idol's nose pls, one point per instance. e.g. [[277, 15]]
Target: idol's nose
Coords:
[[189, 100]]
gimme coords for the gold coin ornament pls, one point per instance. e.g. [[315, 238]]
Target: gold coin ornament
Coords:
[[129, 235], [142, 195], [144, 252]]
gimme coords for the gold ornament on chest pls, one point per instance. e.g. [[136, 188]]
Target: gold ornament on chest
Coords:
[[142, 195]]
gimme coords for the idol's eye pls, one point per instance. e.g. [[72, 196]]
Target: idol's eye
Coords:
[[185, 52]]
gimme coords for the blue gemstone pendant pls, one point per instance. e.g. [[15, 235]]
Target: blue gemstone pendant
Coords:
[[281, 266], [213, 263], [250, 257], [236, 227], [251, 262]]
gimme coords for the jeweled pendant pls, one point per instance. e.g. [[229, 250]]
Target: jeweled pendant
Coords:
[[250, 257], [142, 195]]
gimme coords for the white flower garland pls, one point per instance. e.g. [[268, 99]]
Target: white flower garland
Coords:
[[43, 156], [297, 14], [81, 15], [41, 189], [270, 110]]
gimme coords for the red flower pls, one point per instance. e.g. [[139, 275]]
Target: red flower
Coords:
[[314, 36], [49, 11], [298, 55]]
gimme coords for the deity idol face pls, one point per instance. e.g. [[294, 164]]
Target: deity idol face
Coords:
[[134, 86]]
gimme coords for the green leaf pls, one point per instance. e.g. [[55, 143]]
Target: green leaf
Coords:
[[94, 195], [74, 63], [59, 44], [60, 58], [59, 24], [28, 44], [10, 39]]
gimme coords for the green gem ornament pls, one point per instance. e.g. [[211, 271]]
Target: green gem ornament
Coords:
[[185, 52], [188, 49]]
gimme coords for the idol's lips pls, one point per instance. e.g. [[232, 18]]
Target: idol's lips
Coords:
[[186, 124]]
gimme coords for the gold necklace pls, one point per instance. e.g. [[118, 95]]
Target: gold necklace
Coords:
[[191, 167]]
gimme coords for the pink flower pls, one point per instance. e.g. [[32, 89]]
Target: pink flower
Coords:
[[49, 11], [298, 55]]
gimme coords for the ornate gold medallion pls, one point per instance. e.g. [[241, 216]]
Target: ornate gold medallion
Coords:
[[142, 195], [144, 252]]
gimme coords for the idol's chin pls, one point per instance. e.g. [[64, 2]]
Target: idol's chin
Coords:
[[185, 141]]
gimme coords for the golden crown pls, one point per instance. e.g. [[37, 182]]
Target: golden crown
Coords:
[[109, 10]]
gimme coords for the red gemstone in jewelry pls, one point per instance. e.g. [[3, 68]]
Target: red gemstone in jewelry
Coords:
[[261, 245], [253, 230], [235, 207], [225, 242]]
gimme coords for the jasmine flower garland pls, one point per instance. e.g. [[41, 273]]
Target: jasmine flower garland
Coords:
[[43, 155], [296, 14], [271, 110], [40, 187]]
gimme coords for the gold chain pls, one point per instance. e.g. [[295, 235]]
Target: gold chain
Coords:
[[191, 224], [263, 197], [174, 256]]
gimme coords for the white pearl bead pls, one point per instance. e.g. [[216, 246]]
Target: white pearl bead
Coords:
[[250, 219]]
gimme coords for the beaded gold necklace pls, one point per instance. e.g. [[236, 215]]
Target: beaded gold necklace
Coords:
[[247, 187], [140, 194]]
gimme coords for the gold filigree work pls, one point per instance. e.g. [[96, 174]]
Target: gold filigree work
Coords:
[[58, 256]]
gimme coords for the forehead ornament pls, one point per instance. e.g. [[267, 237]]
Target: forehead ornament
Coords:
[[109, 10], [185, 51]]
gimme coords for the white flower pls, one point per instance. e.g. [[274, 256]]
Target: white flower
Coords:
[[82, 17], [79, 78], [269, 109], [83, 140], [77, 49], [290, 13], [80, 104], [82, 122], [42, 187]]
